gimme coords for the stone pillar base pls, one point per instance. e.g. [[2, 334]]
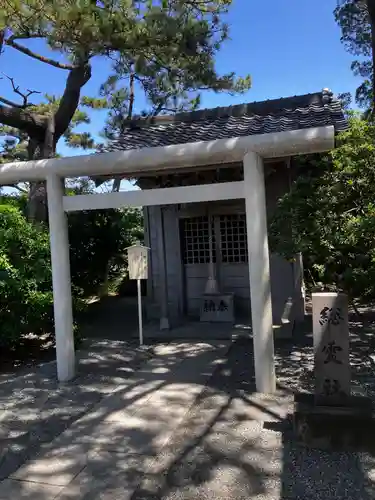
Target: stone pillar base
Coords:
[[345, 427], [164, 324]]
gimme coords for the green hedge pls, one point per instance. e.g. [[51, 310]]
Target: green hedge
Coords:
[[97, 248], [26, 301]]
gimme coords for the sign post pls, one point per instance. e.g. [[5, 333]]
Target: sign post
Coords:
[[138, 270], [140, 320]]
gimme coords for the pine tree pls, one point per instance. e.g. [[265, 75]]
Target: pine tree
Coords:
[[356, 19], [165, 48]]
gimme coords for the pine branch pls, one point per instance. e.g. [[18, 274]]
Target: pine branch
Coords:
[[202, 6], [10, 103], [36, 56], [131, 95], [5, 130], [116, 184], [27, 36], [2, 35], [33, 124], [16, 186], [69, 102], [16, 90], [371, 11]]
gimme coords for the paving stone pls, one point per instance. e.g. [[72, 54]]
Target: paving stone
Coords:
[[231, 444], [57, 467], [173, 391], [35, 408], [107, 476], [19, 490], [129, 436], [143, 426]]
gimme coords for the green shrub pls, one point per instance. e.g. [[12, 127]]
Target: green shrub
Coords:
[[26, 300], [97, 248], [329, 215], [98, 239]]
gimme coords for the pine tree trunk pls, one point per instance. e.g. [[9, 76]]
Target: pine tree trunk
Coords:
[[38, 150], [37, 202], [116, 185]]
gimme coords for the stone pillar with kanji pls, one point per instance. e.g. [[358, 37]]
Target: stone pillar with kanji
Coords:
[[331, 347]]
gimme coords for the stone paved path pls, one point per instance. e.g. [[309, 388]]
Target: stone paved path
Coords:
[[128, 427], [185, 425], [35, 408]]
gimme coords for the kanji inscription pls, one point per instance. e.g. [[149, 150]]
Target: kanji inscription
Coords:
[[212, 306], [217, 308], [331, 387], [332, 350], [331, 316], [331, 345]]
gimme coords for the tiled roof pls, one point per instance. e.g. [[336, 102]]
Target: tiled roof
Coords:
[[278, 115]]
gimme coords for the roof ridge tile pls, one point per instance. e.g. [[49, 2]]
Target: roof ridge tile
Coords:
[[274, 115], [236, 110]]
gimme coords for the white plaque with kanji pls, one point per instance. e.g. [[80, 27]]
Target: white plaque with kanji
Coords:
[[138, 262]]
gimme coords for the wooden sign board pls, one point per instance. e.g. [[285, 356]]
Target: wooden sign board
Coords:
[[138, 262]]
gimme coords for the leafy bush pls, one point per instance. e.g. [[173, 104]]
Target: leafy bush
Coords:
[[329, 214], [97, 248], [98, 239], [26, 300]]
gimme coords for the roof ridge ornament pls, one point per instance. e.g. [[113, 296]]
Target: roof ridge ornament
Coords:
[[327, 95]]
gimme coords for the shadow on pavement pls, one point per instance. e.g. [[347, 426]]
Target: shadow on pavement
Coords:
[[232, 444], [241, 446]]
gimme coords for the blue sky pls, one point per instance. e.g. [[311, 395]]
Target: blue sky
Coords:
[[288, 46]]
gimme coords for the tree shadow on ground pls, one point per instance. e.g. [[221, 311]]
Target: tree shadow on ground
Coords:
[[112, 318], [246, 449], [35, 408], [28, 351], [231, 444], [118, 450], [295, 357], [311, 473]]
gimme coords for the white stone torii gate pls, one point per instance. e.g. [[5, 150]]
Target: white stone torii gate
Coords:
[[250, 149]]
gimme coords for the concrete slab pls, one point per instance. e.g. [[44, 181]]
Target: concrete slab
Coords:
[[210, 331], [107, 476], [196, 330], [168, 383], [218, 453], [135, 435], [57, 467], [20, 490], [35, 408], [135, 421]]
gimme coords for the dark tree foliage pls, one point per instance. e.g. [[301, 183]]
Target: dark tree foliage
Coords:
[[329, 214], [356, 19]]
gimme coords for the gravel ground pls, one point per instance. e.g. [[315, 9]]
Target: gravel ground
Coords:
[[237, 445], [295, 358]]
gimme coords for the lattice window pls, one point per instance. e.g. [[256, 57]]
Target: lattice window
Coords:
[[233, 238], [195, 237]]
